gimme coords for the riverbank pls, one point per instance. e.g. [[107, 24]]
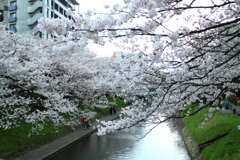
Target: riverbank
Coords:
[[49, 150], [190, 143], [16, 142], [218, 139]]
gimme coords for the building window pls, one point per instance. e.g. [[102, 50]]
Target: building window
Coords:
[[12, 26], [61, 11], [52, 14], [12, 6], [13, 14], [13, 3], [56, 7], [53, 5]]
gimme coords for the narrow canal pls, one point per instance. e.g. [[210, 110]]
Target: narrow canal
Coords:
[[162, 143]]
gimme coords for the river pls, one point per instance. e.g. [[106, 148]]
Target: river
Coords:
[[162, 143]]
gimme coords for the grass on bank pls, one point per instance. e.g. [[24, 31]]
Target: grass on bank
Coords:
[[227, 147], [15, 139], [119, 103]]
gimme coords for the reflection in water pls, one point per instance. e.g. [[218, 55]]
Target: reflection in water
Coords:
[[160, 144]]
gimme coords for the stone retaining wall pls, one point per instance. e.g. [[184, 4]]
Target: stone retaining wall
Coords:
[[190, 143]]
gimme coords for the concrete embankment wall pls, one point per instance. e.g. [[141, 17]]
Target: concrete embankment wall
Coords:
[[190, 143]]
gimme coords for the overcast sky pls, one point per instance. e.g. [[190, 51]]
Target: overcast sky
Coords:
[[108, 49], [95, 4], [98, 5]]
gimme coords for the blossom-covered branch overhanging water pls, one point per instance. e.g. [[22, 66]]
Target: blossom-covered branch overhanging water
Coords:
[[196, 61]]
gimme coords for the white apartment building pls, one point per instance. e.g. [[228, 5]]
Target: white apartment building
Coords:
[[23, 15]]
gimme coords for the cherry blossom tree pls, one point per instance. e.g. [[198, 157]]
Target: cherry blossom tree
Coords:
[[191, 50], [191, 58], [44, 80]]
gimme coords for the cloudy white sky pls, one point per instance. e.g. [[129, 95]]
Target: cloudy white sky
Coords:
[[95, 4], [108, 49], [98, 5]]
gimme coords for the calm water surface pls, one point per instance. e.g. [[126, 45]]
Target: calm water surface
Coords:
[[162, 143]]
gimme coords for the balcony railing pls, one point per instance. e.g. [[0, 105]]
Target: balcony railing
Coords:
[[74, 2], [34, 30], [12, 8], [32, 20], [12, 19], [35, 6], [13, 30]]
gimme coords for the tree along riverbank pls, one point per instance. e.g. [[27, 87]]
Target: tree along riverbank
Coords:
[[16, 142], [218, 139]]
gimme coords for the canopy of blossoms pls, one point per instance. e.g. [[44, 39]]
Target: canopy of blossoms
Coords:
[[44, 80], [193, 63]]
